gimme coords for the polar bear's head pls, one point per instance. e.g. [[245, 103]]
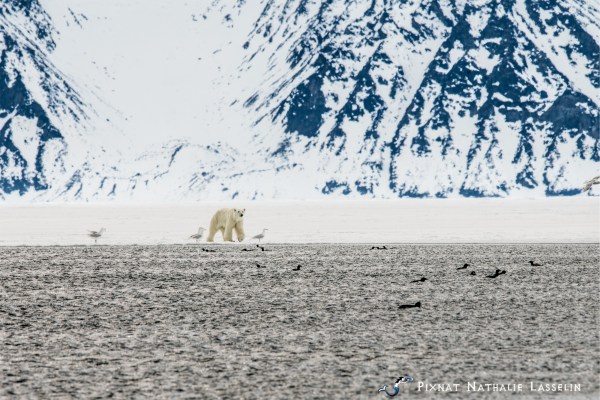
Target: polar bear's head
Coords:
[[238, 213]]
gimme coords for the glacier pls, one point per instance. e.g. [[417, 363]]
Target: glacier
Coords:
[[263, 99]]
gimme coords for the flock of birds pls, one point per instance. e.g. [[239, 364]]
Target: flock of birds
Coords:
[[197, 236], [496, 274]]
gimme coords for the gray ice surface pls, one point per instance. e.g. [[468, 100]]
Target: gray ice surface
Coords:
[[178, 322]]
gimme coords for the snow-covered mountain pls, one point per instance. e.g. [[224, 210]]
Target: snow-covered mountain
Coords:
[[50, 128], [32, 94], [138, 100]]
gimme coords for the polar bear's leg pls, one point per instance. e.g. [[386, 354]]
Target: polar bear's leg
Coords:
[[211, 236], [222, 230], [239, 231], [211, 231], [227, 235]]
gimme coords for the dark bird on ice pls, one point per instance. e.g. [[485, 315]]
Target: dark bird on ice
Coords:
[[259, 266], [297, 268], [496, 274], [379, 248], [463, 267], [208, 250], [417, 304], [534, 264], [473, 273], [260, 247], [403, 379], [419, 280]]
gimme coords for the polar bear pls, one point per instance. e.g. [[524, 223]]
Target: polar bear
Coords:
[[225, 220]]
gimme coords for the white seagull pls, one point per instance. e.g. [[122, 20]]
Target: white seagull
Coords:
[[588, 184], [260, 235], [198, 235], [96, 234]]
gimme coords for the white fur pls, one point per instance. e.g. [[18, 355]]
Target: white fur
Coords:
[[226, 220]]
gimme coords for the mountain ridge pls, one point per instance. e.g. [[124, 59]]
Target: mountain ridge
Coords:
[[437, 98]]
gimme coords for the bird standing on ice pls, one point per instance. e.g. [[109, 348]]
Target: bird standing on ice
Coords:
[[96, 234], [198, 235], [260, 235]]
